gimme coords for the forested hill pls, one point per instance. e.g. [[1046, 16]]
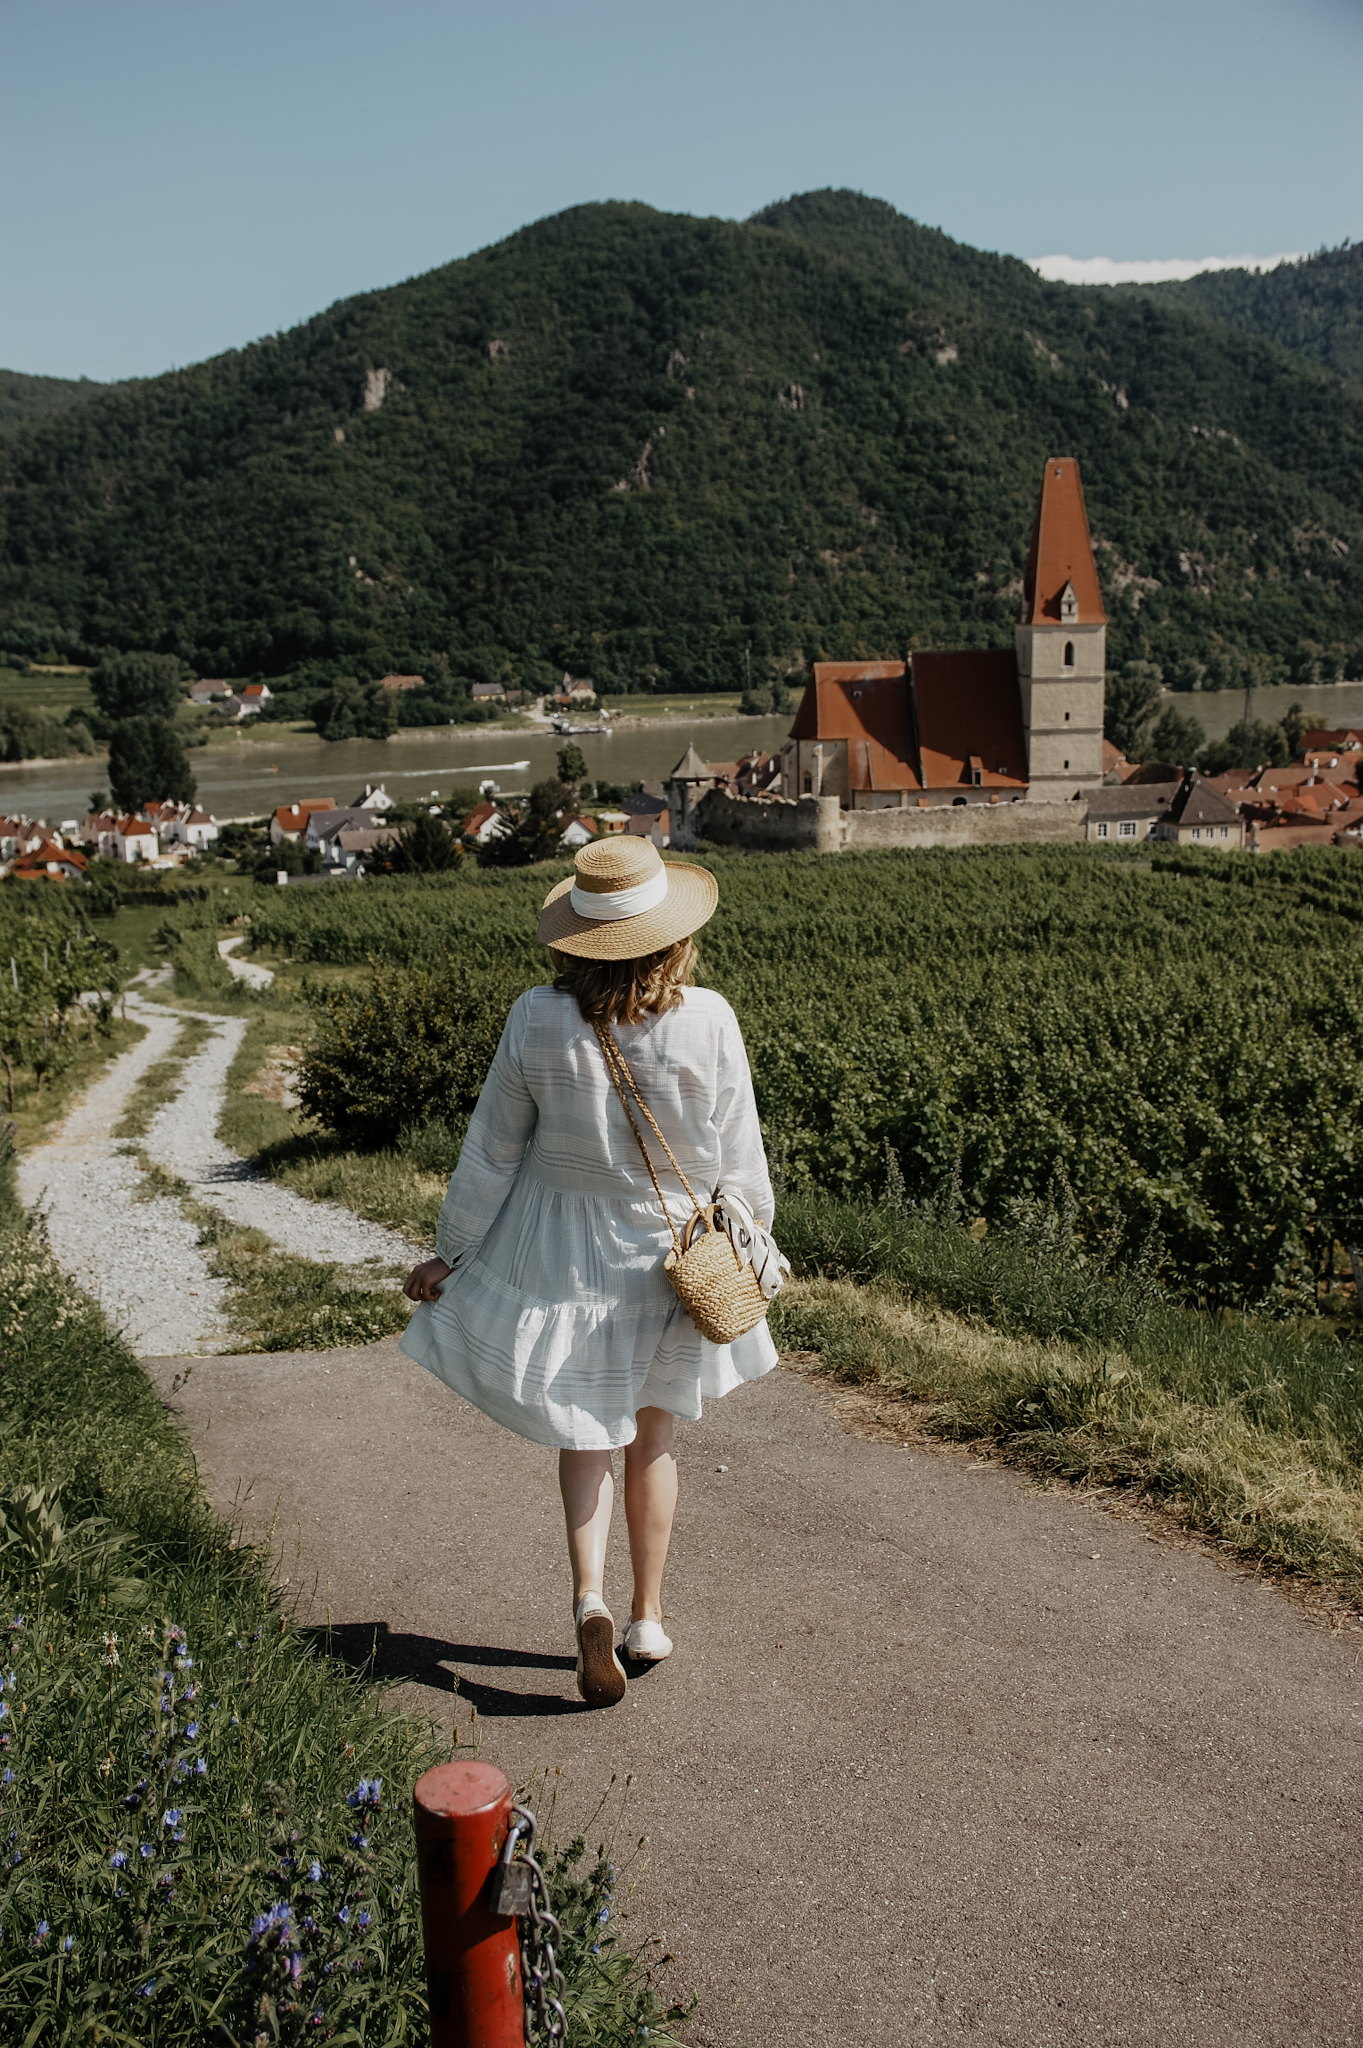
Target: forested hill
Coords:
[[638, 445], [29, 398], [1314, 307]]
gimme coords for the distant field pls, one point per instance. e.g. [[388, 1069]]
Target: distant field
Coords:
[[722, 704], [55, 693]]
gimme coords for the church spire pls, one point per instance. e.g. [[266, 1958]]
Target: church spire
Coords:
[[1061, 584]]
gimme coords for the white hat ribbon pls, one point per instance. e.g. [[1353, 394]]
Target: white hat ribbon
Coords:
[[611, 904]]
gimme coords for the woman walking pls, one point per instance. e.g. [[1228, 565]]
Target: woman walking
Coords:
[[547, 1305]]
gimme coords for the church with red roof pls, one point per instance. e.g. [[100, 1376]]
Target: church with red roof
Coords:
[[973, 726]]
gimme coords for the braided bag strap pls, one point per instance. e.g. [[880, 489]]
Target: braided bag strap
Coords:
[[620, 1074]]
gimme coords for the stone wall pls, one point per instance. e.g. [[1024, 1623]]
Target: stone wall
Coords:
[[820, 825]]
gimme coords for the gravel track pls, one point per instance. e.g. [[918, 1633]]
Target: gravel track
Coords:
[[184, 1139], [140, 1259], [244, 970]]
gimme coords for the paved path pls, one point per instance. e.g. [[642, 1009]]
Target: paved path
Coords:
[[936, 1758]]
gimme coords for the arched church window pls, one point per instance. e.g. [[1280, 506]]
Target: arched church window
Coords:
[[1069, 654]]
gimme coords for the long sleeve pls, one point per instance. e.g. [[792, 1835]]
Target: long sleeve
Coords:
[[742, 1155], [498, 1134]]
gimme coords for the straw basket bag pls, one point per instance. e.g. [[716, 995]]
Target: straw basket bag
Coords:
[[715, 1284]]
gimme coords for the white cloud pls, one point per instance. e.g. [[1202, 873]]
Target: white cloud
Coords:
[[1105, 270]]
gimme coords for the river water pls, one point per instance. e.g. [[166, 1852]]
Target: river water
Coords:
[[246, 776]]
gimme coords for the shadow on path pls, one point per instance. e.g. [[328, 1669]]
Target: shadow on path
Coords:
[[379, 1652], [389, 1655]]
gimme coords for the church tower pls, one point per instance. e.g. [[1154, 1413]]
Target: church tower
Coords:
[[1062, 643]]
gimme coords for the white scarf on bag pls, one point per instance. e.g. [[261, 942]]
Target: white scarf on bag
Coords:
[[754, 1245]]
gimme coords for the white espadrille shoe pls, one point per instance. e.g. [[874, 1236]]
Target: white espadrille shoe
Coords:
[[646, 1642], [600, 1674]]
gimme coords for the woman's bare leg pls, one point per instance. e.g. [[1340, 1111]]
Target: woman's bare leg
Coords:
[[586, 1479], [650, 1504]]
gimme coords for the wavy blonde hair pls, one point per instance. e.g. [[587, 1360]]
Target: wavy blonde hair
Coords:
[[625, 991]]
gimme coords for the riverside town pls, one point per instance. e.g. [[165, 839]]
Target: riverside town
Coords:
[[681, 1031]]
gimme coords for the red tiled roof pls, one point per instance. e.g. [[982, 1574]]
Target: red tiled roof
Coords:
[[254, 690], [1061, 551], [865, 703], [294, 817], [969, 705], [1340, 736]]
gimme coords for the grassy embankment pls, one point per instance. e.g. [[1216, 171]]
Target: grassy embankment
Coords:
[[181, 1760]]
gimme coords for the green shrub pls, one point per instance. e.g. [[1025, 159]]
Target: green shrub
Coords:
[[402, 1048]]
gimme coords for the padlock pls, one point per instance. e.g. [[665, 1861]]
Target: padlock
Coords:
[[510, 1889]]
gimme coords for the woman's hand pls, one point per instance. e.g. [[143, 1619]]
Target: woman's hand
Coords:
[[425, 1281]]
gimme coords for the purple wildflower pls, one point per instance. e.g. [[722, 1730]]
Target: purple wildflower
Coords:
[[191, 1730], [315, 1871], [119, 1860], [146, 1990], [145, 1851], [42, 1933], [68, 1943]]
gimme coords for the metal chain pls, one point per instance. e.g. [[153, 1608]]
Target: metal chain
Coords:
[[540, 1934]]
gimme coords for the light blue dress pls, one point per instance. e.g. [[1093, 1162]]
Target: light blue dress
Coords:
[[558, 1321]]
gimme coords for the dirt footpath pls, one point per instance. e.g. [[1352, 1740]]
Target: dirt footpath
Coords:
[[937, 1758]]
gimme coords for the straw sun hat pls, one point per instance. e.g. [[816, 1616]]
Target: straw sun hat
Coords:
[[625, 901]]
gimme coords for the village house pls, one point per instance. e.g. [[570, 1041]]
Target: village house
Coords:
[[610, 822], [489, 693], [193, 828], [574, 691], [647, 813], [481, 823], [323, 826], [208, 691], [350, 847], [132, 839], [577, 832], [1199, 814], [49, 861], [1343, 739], [21, 835], [290, 821], [1129, 814], [257, 694], [374, 798]]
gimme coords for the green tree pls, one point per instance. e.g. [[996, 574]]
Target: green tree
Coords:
[[1251, 743], [351, 710], [1131, 701], [137, 686], [147, 764], [536, 833], [426, 846], [572, 764], [1177, 738], [1296, 725]]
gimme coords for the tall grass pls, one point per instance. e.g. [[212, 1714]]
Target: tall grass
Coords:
[[205, 1819], [1074, 1364]]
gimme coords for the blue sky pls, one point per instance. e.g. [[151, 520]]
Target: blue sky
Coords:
[[181, 178]]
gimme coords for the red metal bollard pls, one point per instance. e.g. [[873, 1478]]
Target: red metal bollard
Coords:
[[473, 1959]]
